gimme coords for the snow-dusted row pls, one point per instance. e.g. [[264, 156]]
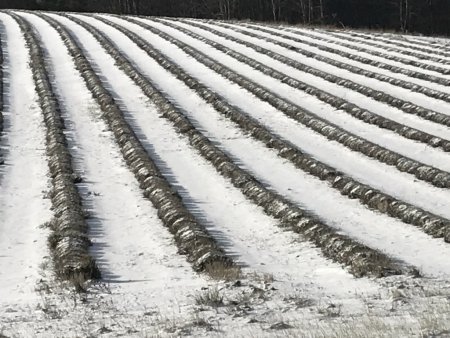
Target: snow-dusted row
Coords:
[[424, 172], [333, 100], [373, 198], [405, 106], [68, 242], [290, 52], [397, 47], [359, 46], [361, 60], [191, 236], [335, 246]]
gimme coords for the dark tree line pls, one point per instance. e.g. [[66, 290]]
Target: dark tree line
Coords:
[[424, 16]]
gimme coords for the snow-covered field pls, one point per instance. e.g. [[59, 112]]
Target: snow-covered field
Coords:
[[224, 179]]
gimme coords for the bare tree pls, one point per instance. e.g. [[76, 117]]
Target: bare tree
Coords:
[[274, 10], [322, 17], [404, 14], [227, 8]]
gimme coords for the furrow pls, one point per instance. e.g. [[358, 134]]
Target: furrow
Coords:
[[424, 172], [335, 101], [190, 235], [336, 246], [367, 195], [335, 47], [68, 242], [405, 106], [359, 127], [436, 94]]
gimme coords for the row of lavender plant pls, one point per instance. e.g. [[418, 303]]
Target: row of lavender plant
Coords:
[[405, 106], [420, 53], [361, 259], [422, 171], [69, 243], [192, 238], [440, 95], [360, 48], [336, 102], [367, 195]]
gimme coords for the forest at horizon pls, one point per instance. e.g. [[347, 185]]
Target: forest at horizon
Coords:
[[430, 17]]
